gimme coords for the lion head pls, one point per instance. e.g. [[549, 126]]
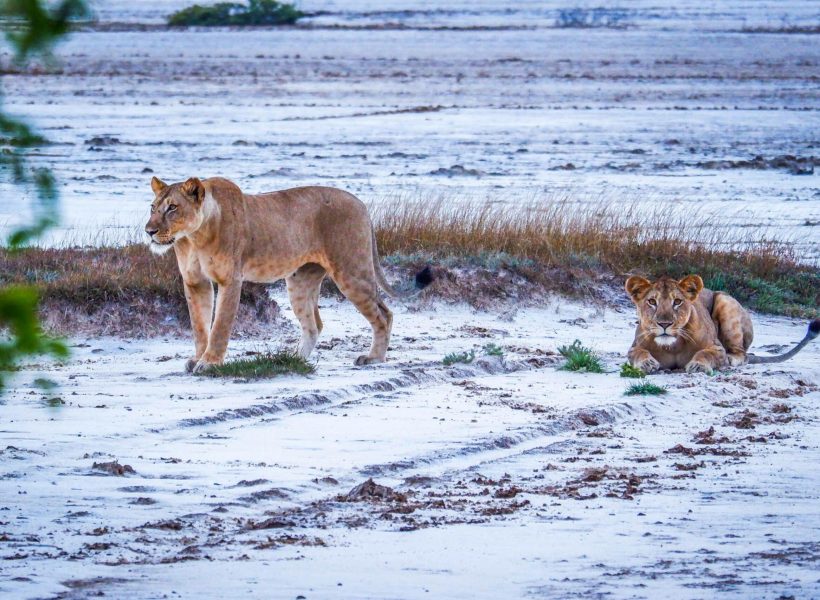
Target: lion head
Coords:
[[665, 306], [175, 212]]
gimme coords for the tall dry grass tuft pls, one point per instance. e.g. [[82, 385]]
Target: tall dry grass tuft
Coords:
[[551, 247], [631, 240], [562, 234], [124, 290]]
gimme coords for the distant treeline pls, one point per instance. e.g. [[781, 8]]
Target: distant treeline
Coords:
[[256, 12]]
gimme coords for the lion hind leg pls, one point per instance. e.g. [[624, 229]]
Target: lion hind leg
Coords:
[[303, 291], [381, 320], [362, 292], [734, 328]]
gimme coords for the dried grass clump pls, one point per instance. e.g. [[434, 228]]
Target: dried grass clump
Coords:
[[112, 290], [529, 240], [482, 254]]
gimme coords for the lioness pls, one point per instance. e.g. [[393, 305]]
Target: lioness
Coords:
[[683, 325], [223, 236]]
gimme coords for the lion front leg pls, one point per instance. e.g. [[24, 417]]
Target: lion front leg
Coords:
[[707, 360], [227, 305], [200, 298], [643, 360], [303, 290]]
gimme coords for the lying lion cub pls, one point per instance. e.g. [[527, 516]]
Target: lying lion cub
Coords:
[[683, 325], [223, 236]]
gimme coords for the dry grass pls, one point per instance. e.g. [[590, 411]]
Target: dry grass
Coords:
[[559, 238], [111, 290], [480, 254]]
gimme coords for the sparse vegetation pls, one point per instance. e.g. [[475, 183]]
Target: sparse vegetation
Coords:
[[588, 18], [480, 254], [459, 357], [565, 249], [645, 388], [262, 365], [493, 350], [581, 359], [628, 370], [122, 290], [785, 28], [256, 12]]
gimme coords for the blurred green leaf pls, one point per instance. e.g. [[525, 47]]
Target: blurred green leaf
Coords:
[[32, 27]]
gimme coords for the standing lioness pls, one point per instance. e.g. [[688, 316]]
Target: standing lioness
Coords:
[[223, 236]]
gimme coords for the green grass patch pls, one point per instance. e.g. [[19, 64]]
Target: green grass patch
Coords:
[[493, 350], [459, 357], [645, 388], [256, 12], [263, 365], [628, 370], [581, 359], [793, 292]]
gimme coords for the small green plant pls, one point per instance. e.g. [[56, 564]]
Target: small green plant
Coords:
[[256, 12], [628, 370], [459, 357], [493, 350], [645, 388], [580, 358], [262, 366], [585, 18]]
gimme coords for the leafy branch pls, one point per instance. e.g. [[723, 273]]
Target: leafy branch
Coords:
[[32, 28]]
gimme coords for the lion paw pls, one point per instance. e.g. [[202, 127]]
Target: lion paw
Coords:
[[202, 366], [367, 360], [648, 365], [190, 364], [736, 360], [695, 366]]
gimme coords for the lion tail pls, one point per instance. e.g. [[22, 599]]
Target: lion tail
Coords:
[[813, 332], [423, 277]]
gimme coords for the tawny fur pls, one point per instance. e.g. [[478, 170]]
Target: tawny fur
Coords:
[[223, 236], [682, 325]]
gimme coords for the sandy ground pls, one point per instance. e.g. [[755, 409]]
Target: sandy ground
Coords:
[[466, 101], [505, 478]]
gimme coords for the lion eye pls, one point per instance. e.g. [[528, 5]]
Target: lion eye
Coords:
[[652, 302], [172, 207], [677, 302]]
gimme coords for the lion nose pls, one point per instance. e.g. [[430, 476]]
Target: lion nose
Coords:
[[151, 232], [665, 324]]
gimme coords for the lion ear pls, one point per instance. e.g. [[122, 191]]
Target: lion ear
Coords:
[[194, 188], [158, 185], [637, 287], [691, 285]]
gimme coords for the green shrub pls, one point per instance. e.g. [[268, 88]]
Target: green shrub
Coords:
[[262, 366], [580, 358], [588, 18], [628, 370], [459, 357], [493, 350], [645, 388], [256, 12]]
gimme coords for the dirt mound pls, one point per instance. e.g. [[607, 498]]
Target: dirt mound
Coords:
[[114, 468], [370, 491]]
